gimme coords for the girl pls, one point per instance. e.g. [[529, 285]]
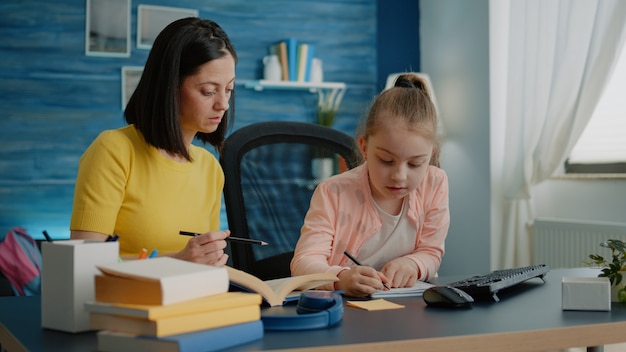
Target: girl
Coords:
[[390, 213], [147, 181]]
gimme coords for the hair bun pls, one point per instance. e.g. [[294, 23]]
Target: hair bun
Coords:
[[411, 81], [404, 82]]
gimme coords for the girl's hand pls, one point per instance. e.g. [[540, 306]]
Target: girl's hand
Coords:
[[207, 248], [402, 272], [360, 281]]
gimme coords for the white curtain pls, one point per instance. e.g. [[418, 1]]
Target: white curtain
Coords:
[[558, 55]]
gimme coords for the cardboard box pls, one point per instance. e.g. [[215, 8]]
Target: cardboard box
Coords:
[[67, 281], [586, 293]]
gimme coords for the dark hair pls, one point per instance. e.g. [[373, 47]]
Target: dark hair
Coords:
[[178, 52], [409, 99]]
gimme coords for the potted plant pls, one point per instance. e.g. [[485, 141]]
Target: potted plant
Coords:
[[612, 268], [323, 164]]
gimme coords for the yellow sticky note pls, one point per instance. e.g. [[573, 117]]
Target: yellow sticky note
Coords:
[[376, 304]]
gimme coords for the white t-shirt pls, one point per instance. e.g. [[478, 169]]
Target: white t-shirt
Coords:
[[395, 239]]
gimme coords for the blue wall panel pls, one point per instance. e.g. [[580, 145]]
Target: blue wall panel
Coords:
[[54, 99]]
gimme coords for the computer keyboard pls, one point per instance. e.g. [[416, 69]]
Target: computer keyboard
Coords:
[[486, 286]]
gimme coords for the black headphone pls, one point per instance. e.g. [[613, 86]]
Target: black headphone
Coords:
[[315, 309]]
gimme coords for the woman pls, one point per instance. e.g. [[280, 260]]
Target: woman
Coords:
[[146, 181]]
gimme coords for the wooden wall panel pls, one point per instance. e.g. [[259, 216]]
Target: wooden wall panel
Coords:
[[54, 99]]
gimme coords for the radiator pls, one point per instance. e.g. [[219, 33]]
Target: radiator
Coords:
[[566, 243]]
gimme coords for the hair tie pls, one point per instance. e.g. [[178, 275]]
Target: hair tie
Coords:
[[404, 83]]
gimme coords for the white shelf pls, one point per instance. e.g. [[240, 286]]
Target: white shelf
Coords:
[[329, 94], [260, 85]]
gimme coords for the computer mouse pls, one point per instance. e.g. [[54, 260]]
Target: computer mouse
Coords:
[[447, 297]]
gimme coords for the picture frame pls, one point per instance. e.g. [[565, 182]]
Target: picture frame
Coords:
[[152, 19], [130, 79], [107, 28]]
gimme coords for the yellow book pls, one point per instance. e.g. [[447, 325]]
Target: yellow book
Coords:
[[154, 312], [275, 292], [303, 54], [175, 324], [158, 281]]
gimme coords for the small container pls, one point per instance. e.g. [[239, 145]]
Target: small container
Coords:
[[271, 69], [317, 73]]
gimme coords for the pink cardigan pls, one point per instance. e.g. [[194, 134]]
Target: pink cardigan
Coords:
[[342, 217]]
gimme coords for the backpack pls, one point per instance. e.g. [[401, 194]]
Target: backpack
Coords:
[[20, 262]]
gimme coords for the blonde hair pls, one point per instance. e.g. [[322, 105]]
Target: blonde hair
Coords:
[[409, 99]]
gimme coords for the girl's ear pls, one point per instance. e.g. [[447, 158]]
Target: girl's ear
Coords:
[[363, 147], [434, 158]]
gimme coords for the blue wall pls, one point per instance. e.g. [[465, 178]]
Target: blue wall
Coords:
[[54, 99], [397, 38]]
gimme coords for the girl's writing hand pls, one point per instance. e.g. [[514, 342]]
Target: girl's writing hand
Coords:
[[207, 248], [402, 272], [360, 281]]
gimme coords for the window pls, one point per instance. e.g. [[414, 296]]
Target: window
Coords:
[[602, 145]]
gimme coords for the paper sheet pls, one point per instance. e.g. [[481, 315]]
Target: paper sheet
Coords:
[[375, 304]]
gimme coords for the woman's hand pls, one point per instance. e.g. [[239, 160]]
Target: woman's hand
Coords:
[[207, 248], [360, 281], [402, 272]]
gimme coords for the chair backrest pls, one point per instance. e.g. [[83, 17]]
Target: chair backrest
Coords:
[[269, 172]]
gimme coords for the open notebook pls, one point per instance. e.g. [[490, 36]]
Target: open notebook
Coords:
[[416, 290]]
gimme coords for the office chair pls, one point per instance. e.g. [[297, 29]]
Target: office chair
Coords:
[[269, 183]]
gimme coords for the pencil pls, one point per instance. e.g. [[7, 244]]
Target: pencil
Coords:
[[229, 238], [356, 261]]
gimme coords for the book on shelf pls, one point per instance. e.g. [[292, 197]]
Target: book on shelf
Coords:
[[281, 51], [292, 58], [416, 290], [158, 281], [278, 291], [154, 312], [198, 341], [309, 62], [305, 56], [303, 52], [177, 324]]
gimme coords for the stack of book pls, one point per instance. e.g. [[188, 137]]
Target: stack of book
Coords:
[[295, 59], [165, 304]]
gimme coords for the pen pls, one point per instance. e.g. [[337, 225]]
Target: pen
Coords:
[[229, 238], [45, 234], [356, 261], [153, 254]]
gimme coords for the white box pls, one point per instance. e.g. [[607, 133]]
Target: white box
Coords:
[[67, 281], [586, 293]]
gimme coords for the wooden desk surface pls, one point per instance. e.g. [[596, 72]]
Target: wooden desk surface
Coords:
[[526, 319]]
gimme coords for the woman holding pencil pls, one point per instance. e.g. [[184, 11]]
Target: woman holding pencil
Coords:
[[146, 181]]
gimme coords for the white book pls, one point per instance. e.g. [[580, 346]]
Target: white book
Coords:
[[158, 281]]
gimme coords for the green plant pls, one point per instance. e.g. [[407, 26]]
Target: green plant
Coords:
[[611, 269], [327, 105]]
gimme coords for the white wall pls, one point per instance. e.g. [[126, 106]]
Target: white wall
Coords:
[[582, 199], [455, 53], [454, 37]]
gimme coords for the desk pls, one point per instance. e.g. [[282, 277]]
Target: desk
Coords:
[[527, 319]]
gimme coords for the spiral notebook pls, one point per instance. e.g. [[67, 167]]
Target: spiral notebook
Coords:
[[416, 290]]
